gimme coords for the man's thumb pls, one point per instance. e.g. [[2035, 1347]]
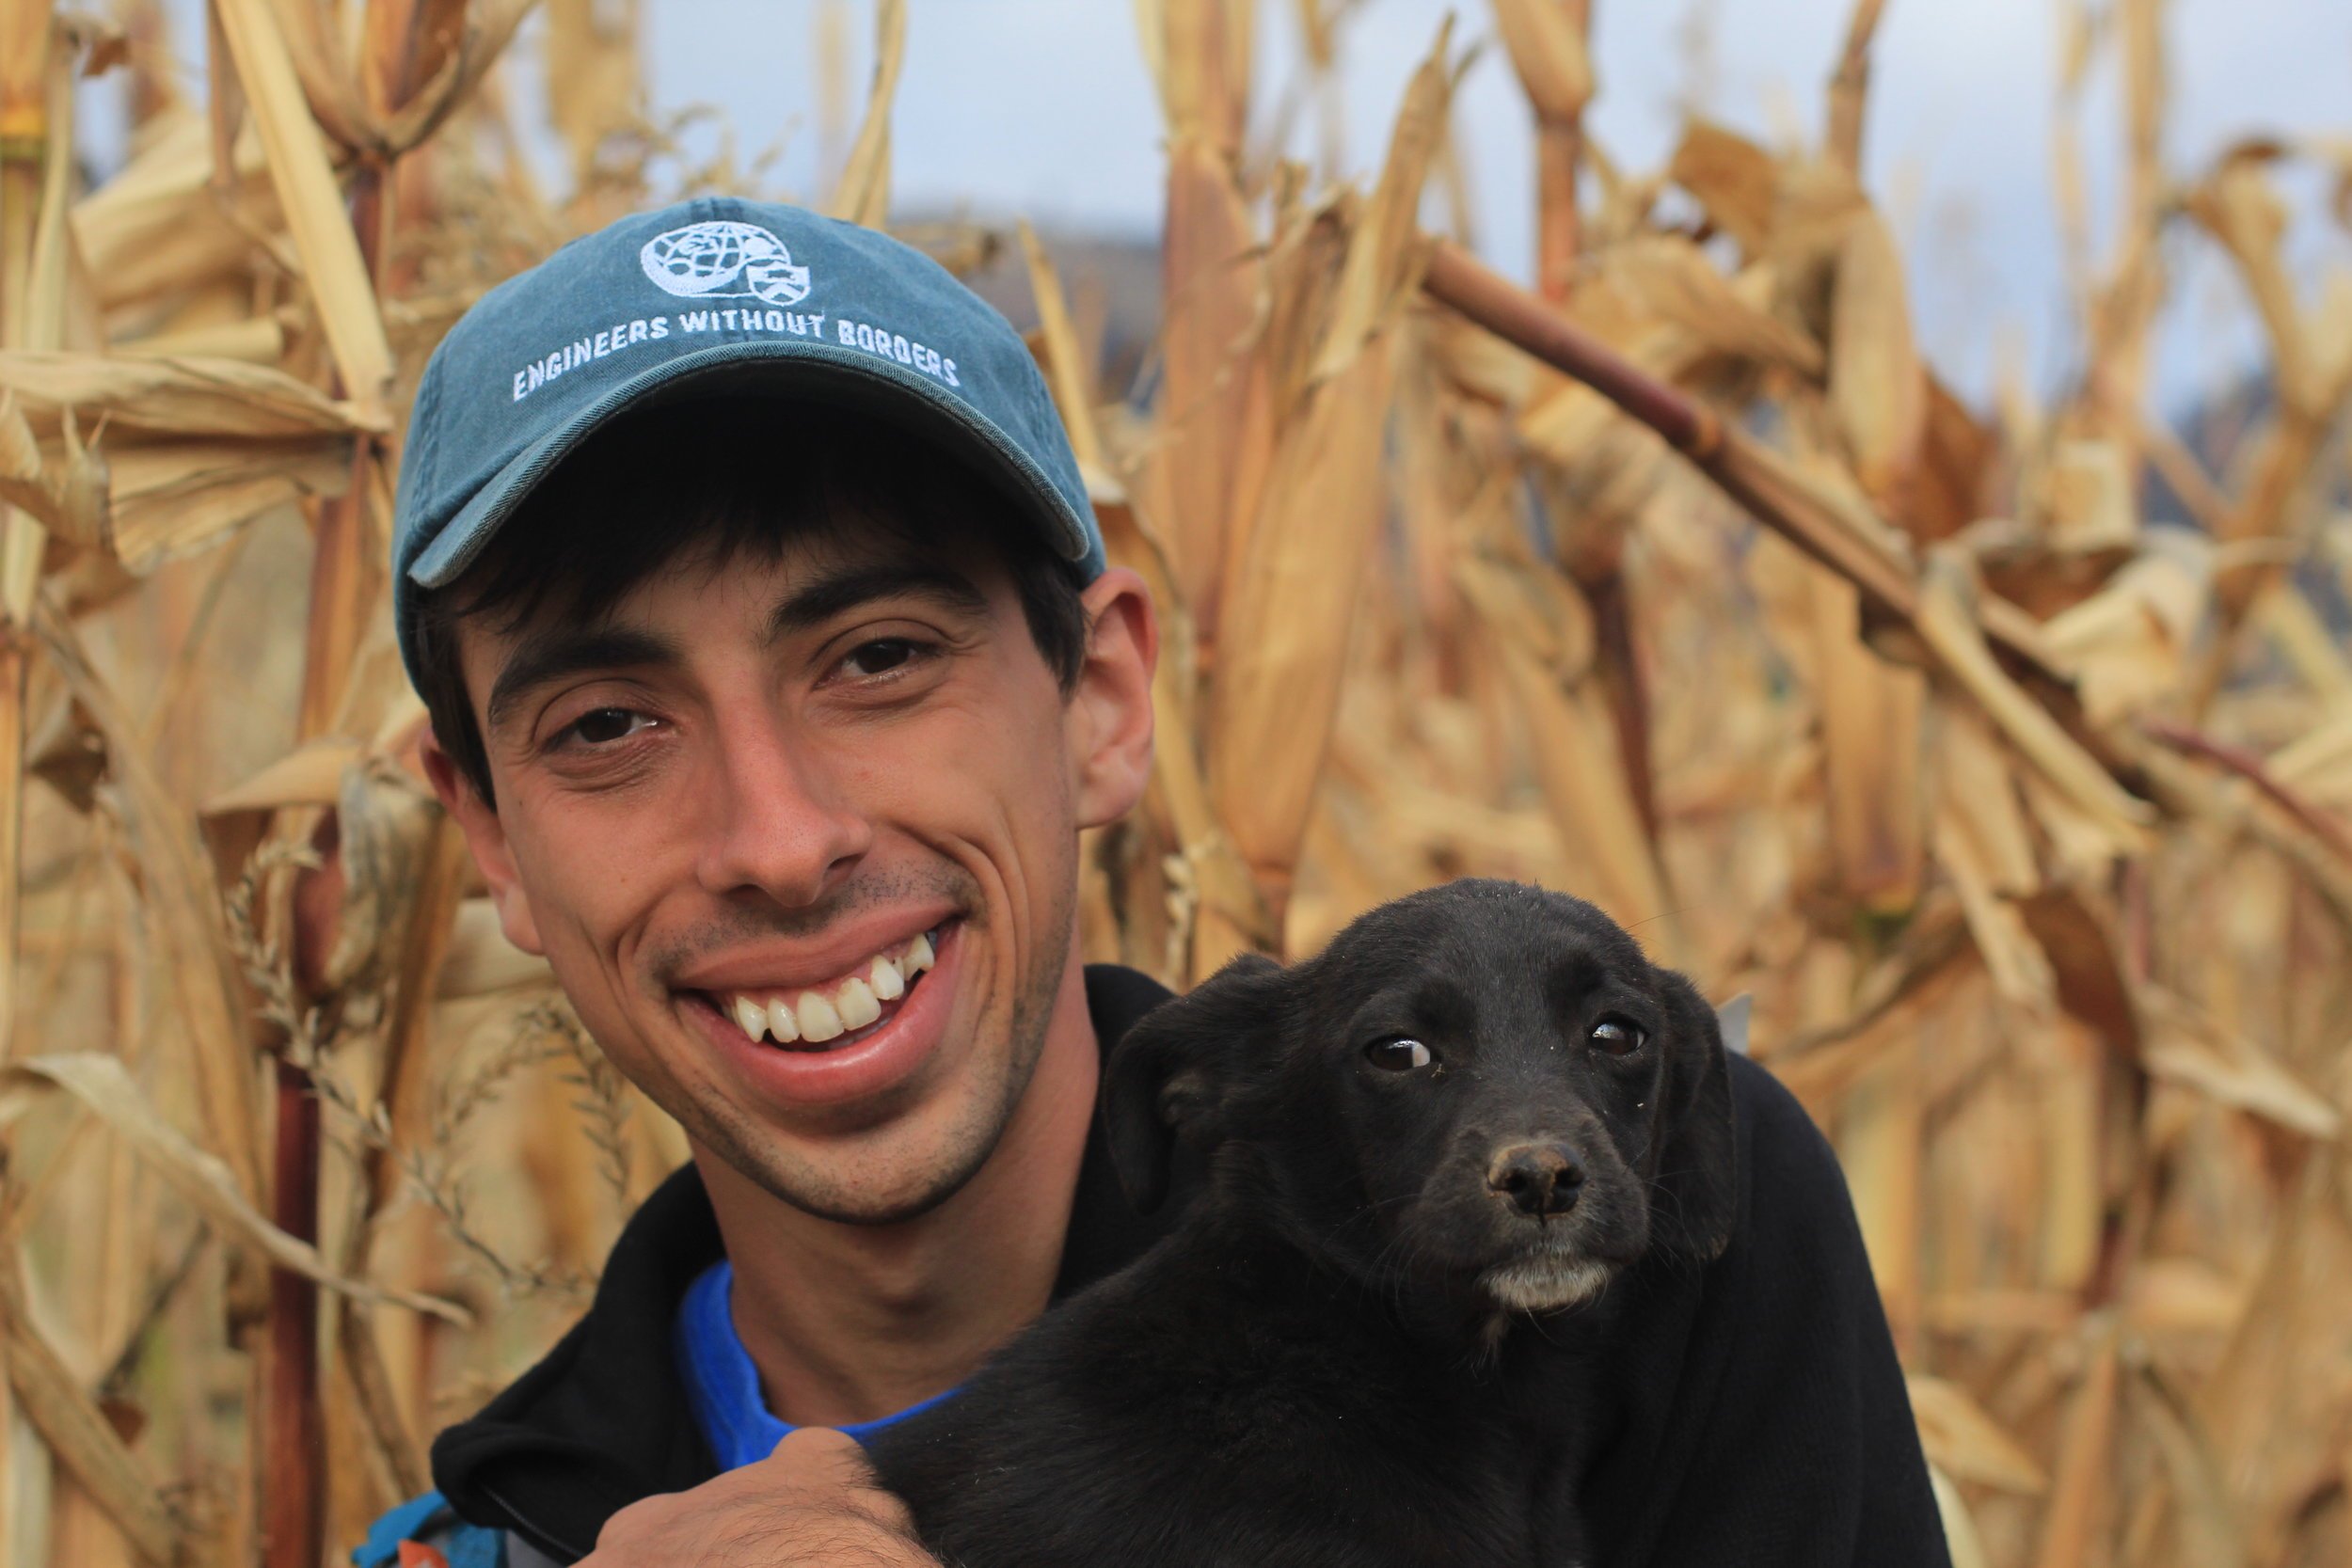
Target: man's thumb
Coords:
[[834, 1460], [819, 1457], [817, 1445]]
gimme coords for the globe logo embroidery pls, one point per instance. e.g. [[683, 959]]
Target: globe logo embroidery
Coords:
[[701, 259]]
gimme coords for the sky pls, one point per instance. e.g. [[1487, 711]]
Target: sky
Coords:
[[1043, 109]]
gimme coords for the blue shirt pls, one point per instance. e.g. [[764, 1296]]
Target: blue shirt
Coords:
[[722, 1385]]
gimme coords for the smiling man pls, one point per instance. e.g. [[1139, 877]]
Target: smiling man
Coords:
[[774, 667]]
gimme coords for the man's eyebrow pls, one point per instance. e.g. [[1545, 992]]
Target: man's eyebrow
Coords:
[[557, 652], [831, 594]]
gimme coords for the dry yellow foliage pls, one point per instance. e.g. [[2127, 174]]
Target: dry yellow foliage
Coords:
[[1682, 582]]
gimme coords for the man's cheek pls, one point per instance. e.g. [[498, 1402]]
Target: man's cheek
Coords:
[[577, 914], [580, 865]]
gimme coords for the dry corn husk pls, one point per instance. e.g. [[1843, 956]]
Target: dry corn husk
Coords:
[[1553, 68], [1277, 685], [77, 1433], [307, 193], [100, 1085], [863, 194], [1878, 391]]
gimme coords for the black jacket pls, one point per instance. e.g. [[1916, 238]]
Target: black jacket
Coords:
[[1754, 1416]]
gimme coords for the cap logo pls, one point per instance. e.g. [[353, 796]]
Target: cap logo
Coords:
[[701, 259]]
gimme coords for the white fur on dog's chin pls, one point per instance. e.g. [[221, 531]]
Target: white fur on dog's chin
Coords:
[[1545, 1284]]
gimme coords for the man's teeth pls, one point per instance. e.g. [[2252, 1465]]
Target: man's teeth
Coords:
[[820, 1021], [855, 1001], [817, 1017]]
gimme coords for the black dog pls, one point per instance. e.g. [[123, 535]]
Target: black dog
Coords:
[[1429, 1150]]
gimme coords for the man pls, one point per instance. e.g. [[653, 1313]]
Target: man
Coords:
[[774, 667]]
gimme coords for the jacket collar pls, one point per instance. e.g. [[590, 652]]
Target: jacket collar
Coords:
[[603, 1419]]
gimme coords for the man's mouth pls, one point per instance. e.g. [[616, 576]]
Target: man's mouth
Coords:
[[834, 1013]]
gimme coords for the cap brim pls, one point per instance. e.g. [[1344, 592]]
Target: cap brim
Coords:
[[820, 372]]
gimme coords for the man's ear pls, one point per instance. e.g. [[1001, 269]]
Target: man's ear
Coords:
[[486, 836], [1697, 1178], [1110, 711], [1174, 1071]]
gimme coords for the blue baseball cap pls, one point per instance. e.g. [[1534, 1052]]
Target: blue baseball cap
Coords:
[[697, 300]]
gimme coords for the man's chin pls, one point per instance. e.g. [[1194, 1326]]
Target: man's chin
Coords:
[[899, 1169], [876, 1209]]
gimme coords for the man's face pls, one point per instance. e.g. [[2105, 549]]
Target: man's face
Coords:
[[756, 793]]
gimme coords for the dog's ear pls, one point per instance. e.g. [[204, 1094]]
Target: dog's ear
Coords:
[[1171, 1073], [1697, 1168]]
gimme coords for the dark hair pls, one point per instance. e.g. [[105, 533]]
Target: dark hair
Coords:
[[715, 479]]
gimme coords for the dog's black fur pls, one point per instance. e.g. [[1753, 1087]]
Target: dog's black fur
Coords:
[[1364, 1345]]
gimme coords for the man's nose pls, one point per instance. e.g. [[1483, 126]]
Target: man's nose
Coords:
[[1537, 1179], [781, 823]]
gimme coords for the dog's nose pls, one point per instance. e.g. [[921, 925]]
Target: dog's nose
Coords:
[[1536, 1178]]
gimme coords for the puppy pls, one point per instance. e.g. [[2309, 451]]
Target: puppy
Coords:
[[1429, 1150]]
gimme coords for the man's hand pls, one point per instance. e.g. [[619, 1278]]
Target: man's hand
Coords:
[[812, 1502]]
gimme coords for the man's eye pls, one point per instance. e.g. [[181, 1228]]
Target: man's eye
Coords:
[[881, 657], [606, 725]]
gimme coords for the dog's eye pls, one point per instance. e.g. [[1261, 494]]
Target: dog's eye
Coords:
[[1619, 1037], [1398, 1055]]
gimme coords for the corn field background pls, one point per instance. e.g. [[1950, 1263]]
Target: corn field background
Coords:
[[1679, 581]]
